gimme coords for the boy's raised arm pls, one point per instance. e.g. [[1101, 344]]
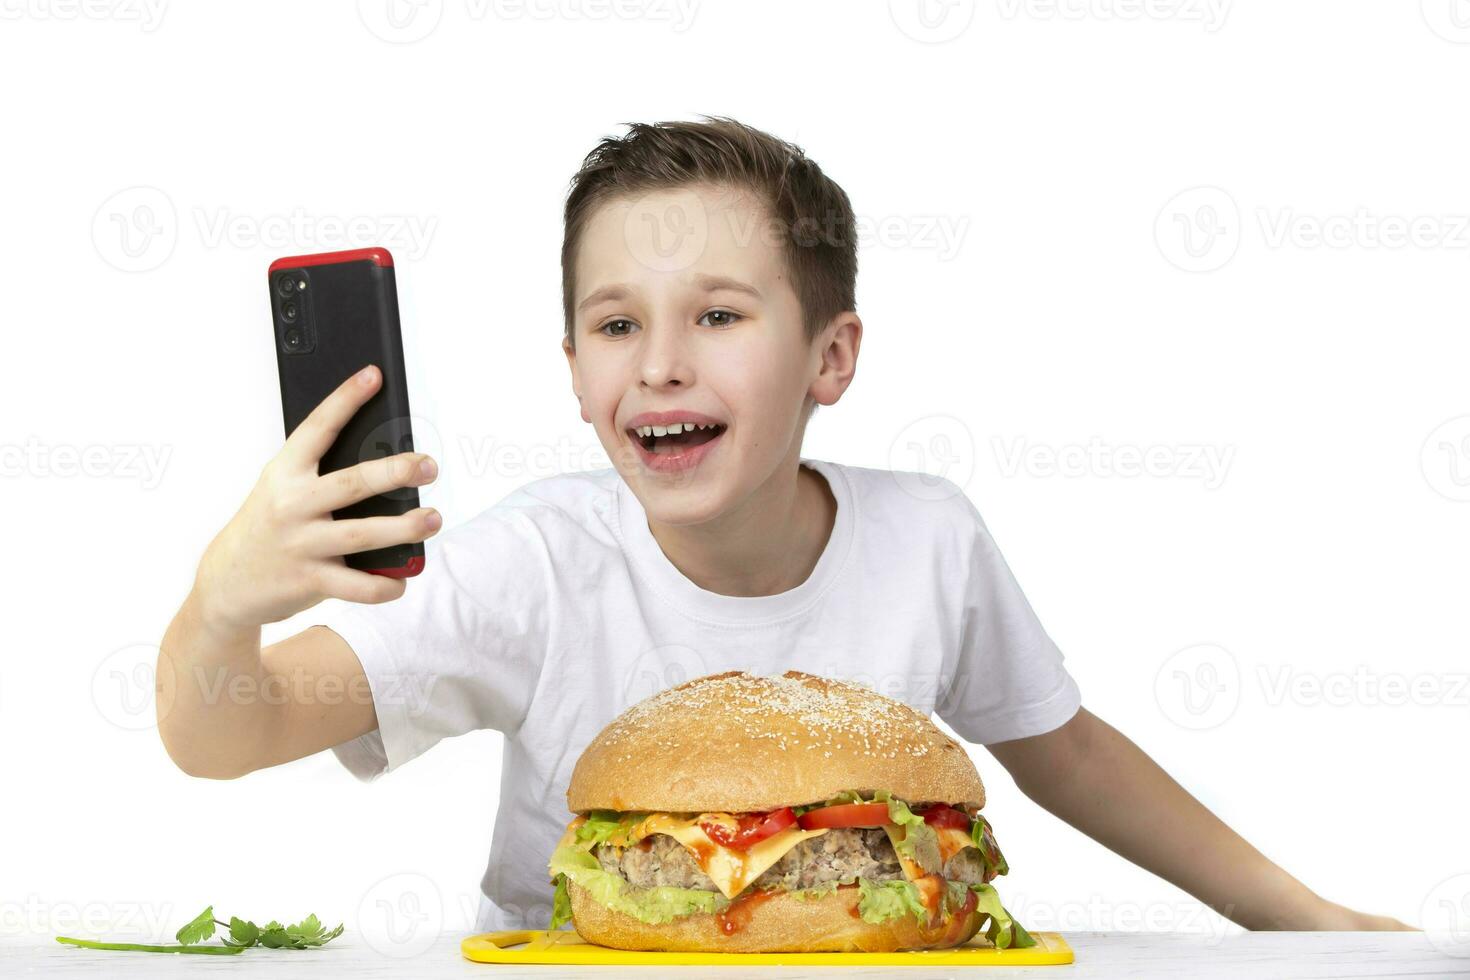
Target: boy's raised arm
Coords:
[[1092, 776], [225, 706]]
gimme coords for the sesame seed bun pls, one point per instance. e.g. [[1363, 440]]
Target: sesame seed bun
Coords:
[[778, 924], [739, 742]]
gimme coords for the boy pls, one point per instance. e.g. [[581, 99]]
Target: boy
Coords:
[[708, 279]]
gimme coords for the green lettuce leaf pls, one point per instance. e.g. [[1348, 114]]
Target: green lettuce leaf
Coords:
[[920, 843], [816, 891], [1003, 931], [606, 826], [561, 903], [984, 838], [879, 901], [821, 891], [654, 906]]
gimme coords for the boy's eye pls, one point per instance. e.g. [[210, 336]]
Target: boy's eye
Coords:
[[614, 323], [721, 318]]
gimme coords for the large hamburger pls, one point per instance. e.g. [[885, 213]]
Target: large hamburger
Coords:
[[739, 813]]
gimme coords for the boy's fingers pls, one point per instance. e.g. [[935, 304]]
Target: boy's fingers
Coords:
[[341, 582], [335, 490], [310, 440], [348, 537]]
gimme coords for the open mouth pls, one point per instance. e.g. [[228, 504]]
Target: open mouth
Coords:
[[677, 438]]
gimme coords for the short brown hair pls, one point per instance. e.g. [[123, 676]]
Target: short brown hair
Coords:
[[812, 212]]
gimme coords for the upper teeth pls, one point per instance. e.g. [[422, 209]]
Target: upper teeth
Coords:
[[671, 430]]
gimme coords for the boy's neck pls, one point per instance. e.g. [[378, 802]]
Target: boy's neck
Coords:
[[769, 545]]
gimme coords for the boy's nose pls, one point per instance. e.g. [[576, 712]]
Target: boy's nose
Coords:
[[665, 358]]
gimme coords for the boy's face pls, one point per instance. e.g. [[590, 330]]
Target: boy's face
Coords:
[[683, 302]]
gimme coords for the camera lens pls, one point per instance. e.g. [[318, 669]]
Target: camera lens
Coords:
[[286, 285], [288, 311], [293, 339]]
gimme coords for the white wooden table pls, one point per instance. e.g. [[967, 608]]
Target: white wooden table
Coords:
[[1195, 956]]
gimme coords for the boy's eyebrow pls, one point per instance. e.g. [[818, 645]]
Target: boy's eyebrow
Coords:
[[709, 284], [614, 292]]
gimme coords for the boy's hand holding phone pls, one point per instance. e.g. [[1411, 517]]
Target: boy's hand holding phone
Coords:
[[281, 552], [334, 515]]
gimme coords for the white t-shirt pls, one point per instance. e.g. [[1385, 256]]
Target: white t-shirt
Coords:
[[548, 614]]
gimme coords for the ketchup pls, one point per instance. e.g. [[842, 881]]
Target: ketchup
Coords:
[[737, 916]]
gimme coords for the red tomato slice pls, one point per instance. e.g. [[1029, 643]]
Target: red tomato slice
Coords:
[[946, 816], [845, 815], [753, 828]]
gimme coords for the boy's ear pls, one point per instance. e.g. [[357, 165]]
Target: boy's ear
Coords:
[[837, 352], [576, 382]]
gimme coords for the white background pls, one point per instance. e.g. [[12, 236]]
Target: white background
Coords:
[[1174, 230]]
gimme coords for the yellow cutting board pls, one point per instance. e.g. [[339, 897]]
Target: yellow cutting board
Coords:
[[566, 947]]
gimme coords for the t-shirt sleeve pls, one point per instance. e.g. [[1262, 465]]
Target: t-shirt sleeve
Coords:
[[462, 649], [1009, 680]]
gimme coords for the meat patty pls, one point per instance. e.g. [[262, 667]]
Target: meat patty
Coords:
[[837, 855], [656, 860], [966, 865]]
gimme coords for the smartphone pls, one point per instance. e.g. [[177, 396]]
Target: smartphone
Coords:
[[335, 313]]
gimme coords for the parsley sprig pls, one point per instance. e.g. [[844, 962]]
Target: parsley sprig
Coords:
[[243, 934]]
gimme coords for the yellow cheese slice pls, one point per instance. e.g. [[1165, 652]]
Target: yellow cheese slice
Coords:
[[952, 840], [911, 870], [931, 891], [729, 869]]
